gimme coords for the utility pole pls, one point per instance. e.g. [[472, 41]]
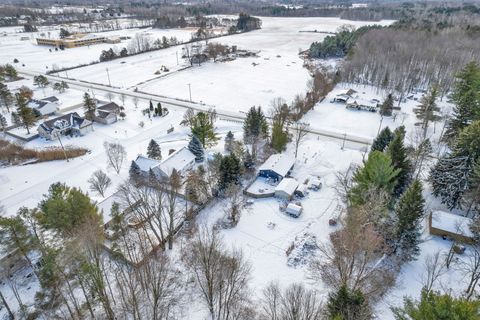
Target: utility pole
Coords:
[[380, 127], [190, 91], [108, 76], [176, 52], [63, 148]]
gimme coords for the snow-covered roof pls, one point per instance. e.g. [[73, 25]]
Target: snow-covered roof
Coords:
[[145, 164], [179, 160], [50, 99], [293, 208], [287, 185], [279, 163], [451, 223], [105, 206]]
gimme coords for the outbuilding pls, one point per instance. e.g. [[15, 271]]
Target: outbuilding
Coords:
[[286, 188], [277, 166], [294, 210], [450, 225]]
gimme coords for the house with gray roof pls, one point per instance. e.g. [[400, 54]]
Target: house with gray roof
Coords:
[[70, 124]]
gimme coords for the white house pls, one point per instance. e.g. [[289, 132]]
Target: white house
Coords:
[[69, 124], [45, 107], [107, 113], [181, 160], [286, 188]]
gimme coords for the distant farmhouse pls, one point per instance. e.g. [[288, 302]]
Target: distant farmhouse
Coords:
[[69, 124], [45, 106], [181, 160], [77, 40], [277, 166], [107, 113], [353, 101]]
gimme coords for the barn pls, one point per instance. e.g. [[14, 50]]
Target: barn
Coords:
[[277, 166]]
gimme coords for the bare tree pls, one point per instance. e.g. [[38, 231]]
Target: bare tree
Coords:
[[295, 303], [135, 102], [354, 257], [174, 215], [434, 268], [123, 98], [116, 154], [300, 131], [471, 268], [233, 207], [99, 182], [221, 276]]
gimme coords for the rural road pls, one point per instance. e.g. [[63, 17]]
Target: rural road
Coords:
[[235, 116]]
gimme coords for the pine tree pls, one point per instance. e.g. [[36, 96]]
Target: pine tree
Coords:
[[25, 114], [468, 142], [90, 106], [279, 138], [255, 125], [377, 173], [6, 97], [16, 119], [151, 106], [202, 127], [382, 140], [134, 171], [466, 97], [346, 304], [40, 81], [160, 110], [449, 178], [195, 146], [248, 160], [400, 161], [229, 139], [230, 171], [436, 306], [473, 193], [386, 108], [428, 110], [154, 151], [3, 122], [409, 212]]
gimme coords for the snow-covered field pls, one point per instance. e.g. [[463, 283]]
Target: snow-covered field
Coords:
[[39, 58]]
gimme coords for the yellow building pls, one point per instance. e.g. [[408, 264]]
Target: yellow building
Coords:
[[77, 40]]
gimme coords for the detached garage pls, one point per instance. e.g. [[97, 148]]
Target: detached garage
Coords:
[[286, 188]]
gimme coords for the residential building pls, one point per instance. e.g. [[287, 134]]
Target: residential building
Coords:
[[450, 225], [181, 160], [107, 113], [69, 124], [76, 40], [286, 188]]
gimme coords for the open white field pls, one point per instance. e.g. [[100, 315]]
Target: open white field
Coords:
[[237, 84], [39, 58]]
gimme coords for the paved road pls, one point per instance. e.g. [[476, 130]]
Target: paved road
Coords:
[[239, 116]]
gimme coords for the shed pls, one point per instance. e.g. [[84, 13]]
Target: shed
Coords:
[[301, 190], [286, 188], [443, 223], [294, 210], [277, 166]]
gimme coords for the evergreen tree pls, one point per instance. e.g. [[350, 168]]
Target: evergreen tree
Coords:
[[386, 107], [248, 160], [16, 119], [382, 140], [279, 138], [40, 81], [409, 212], [466, 97], [65, 208], [151, 106], [90, 106], [195, 146], [377, 173], [346, 304], [436, 306], [255, 125], [473, 193], [26, 115], [134, 171], [202, 127], [400, 131], [230, 171], [449, 179], [160, 110], [6, 97], [229, 139], [428, 110], [468, 142], [154, 151], [400, 161], [3, 122]]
